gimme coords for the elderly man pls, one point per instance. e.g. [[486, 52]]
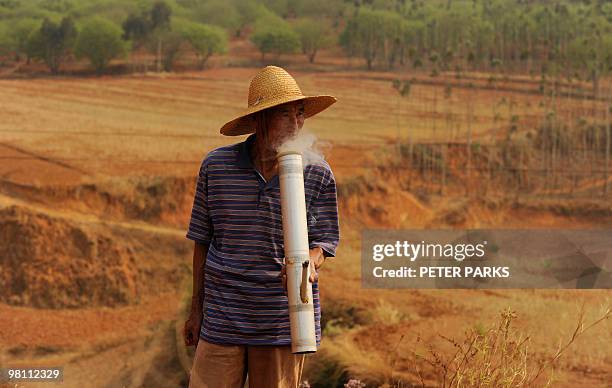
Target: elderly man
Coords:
[[239, 319]]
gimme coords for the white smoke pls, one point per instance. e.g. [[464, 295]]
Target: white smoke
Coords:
[[306, 144]]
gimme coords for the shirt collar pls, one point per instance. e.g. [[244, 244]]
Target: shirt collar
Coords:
[[244, 154]]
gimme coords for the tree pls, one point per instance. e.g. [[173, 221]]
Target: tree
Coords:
[[526, 32], [221, 13], [205, 40], [279, 7], [136, 28], [481, 33], [5, 42], [152, 25], [277, 40], [274, 35], [172, 41], [160, 25], [364, 35], [592, 56], [248, 13], [314, 36], [52, 42], [392, 36], [100, 42], [453, 32], [331, 10], [18, 36], [160, 15], [412, 43]]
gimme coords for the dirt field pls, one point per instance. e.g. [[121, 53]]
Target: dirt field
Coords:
[[96, 185]]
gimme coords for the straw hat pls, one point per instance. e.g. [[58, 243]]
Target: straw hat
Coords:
[[273, 86]]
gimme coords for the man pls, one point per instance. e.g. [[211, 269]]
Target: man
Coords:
[[239, 319]]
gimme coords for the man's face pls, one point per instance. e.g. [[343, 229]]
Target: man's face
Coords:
[[284, 122]]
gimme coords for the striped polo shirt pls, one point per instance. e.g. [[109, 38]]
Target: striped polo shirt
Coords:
[[238, 213]]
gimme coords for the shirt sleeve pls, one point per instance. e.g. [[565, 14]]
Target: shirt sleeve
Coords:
[[200, 227], [323, 227]]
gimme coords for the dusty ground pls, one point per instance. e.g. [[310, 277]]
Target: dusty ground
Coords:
[[96, 184]]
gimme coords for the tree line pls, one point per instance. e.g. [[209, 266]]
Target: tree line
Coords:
[[571, 38], [99, 40], [558, 38]]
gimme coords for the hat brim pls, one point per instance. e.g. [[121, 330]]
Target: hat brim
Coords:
[[243, 124]]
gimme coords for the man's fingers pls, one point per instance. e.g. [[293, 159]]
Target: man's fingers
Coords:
[[314, 274], [313, 277]]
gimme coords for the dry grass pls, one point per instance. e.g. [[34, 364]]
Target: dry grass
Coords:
[[386, 313], [499, 357], [371, 367], [513, 349]]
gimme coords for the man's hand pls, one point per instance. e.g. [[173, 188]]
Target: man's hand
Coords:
[[191, 332], [316, 260]]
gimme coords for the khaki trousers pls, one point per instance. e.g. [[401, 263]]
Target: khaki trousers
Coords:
[[227, 366]]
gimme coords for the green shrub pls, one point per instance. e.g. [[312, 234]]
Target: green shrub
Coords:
[[100, 42]]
